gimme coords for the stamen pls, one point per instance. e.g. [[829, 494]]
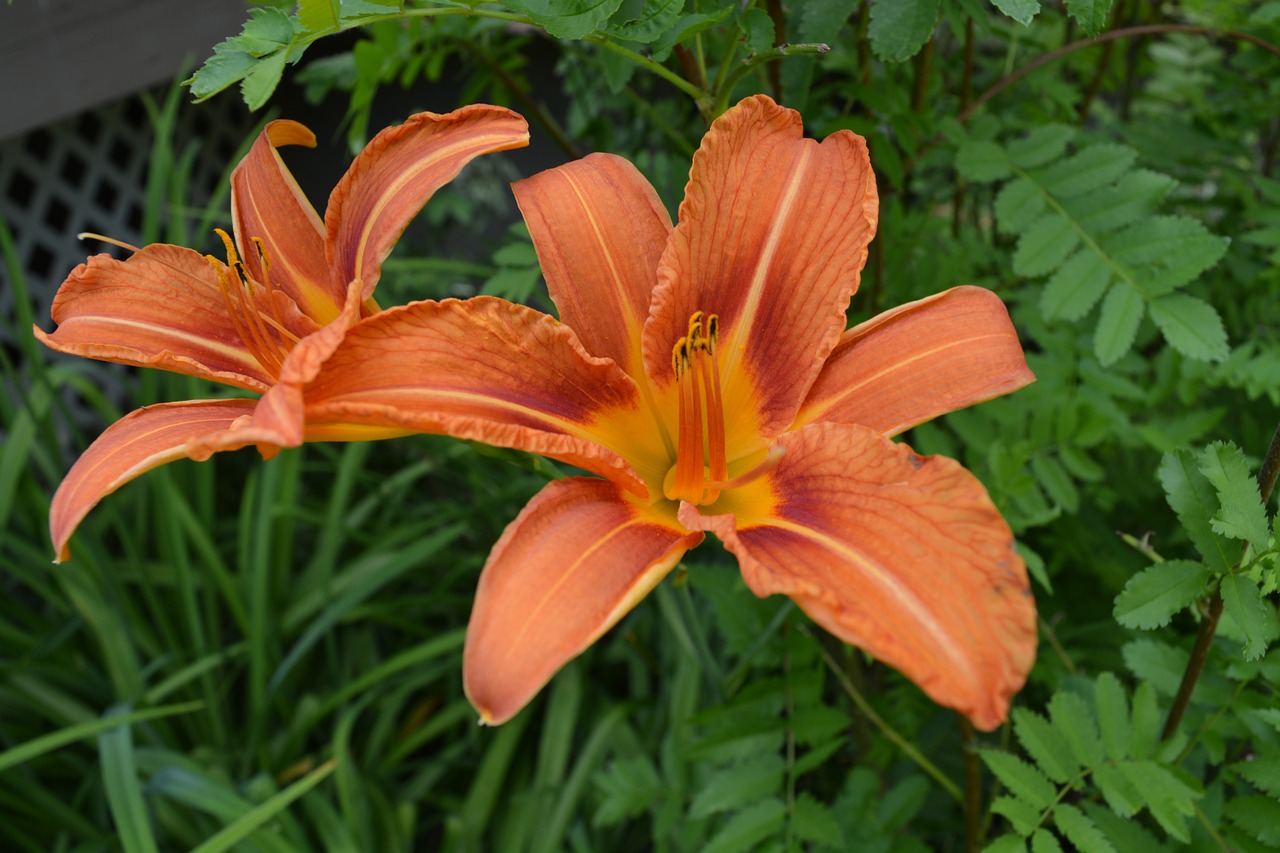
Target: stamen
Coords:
[[701, 439], [253, 328], [89, 235]]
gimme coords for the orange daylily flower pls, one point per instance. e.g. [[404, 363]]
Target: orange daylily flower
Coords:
[[704, 371], [264, 320]]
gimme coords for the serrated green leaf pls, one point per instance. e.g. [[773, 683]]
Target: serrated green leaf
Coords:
[[1122, 312], [1091, 15], [901, 803], [1176, 242], [258, 85], [628, 787], [757, 26], [1263, 772], [746, 829], [1020, 778], [1080, 830], [1113, 715], [899, 28], [1018, 204], [1191, 326], [1022, 816], [739, 786], [1258, 816], [1056, 482], [1076, 287], [813, 821], [1044, 842], [267, 30], [568, 19], [1146, 722], [1168, 799], [1045, 245], [1243, 602], [225, 68], [656, 18], [1072, 717], [1006, 844], [318, 16], [1089, 170], [1045, 745], [981, 161], [1134, 196], [1043, 145], [1121, 796], [1022, 11], [1192, 497], [1240, 512], [1151, 597], [686, 28]]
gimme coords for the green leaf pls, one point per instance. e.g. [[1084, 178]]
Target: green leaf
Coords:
[[1021, 11], [1080, 830], [1006, 844], [628, 787], [1076, 287], [1113, 715], [1043, 145], [1243, 602], [1022, 816], [318, 16], [1073, 718], [25, 752], [267, 30], [758, 28], [1045, 245], [1240, 512], [813, 821], [746, 829], [1134, 196], [1121, 796], [899, 28], [739, 785], [124, 791], [1167, 797], [1122, 311], [1258, 816], [1017, 205], [260, 83], [656, 18], [234, 832], [1045, 745], [1147, 720], [688, 27], [1151, 597], [568, 19], [1020, 778], [1169, 250], [1056, 482], [1192, 497], [1088, 170], [1044, 842], [1091, 15], [981, 161], [1191, 326], [1263, 772]]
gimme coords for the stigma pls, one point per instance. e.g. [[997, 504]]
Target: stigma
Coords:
[[701, 467], [253, 309]]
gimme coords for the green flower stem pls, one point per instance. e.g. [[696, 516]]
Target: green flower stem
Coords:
[[699, 95], [887, 730], [725, 91], [1209, 624]]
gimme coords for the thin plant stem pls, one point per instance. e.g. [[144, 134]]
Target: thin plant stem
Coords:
[[1267, 475], [972, 787], [750, 63], [908, 748]]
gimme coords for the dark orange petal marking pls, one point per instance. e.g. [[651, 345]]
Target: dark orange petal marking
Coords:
[[573, 563], [919, 361], [901, 555], [396, 174]]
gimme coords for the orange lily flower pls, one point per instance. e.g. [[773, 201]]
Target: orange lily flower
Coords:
[[704, 371], [264, 320]]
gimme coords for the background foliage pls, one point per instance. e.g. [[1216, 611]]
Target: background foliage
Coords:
[[266, 656]]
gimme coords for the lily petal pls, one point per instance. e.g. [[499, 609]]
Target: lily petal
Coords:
[[487, 370], [142, 440], [573, 563], [901, 555], [395, 175], [772, 236], [162, 307], [599, 229], [919, 361], [268, 204]]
